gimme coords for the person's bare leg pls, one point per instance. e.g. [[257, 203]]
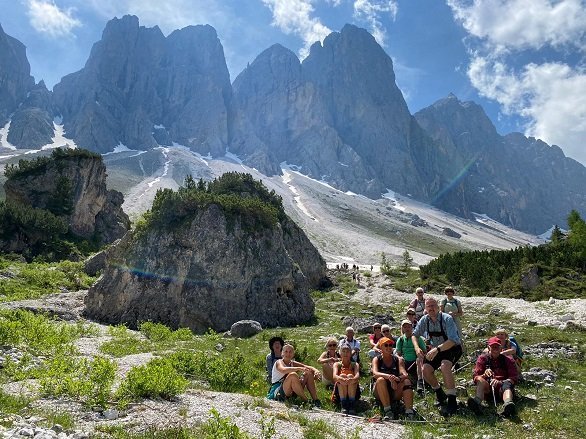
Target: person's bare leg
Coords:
[[407, 394], [381, 392], [428, 374], [449, 381], [310, 384], [292, 385]]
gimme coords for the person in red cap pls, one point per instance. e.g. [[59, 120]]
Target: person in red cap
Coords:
[[494, 372]]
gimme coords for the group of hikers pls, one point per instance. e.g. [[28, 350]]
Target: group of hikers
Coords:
[[430, 340]]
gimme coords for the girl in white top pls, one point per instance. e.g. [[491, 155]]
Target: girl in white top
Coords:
[[285, 371]]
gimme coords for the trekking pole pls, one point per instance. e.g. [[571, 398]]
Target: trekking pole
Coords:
[[493, 395], [460, 368]]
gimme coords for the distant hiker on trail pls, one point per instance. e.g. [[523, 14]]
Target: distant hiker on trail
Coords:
[[275, 345], [453, 307], [354, 344], [327, 360], [442, 333], [418, 304], [286, 382], [347, 377], [496, 373], [406, 350], [373, 340], [371, 268], [354, 277], [411, 316], [392, 382]]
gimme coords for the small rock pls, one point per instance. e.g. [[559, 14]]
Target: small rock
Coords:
[[80, 435], [111, 414], [26, 432], [527, 427], [566, 317], [551, 301], [549, 384], [219, 347], [531, 323], [57, 428], [495, 311], [568, 388], [245, 328]]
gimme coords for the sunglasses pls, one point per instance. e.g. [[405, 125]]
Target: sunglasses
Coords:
[[386, 330], [376, 327], [332, 345], [410, 313], [387, 345]]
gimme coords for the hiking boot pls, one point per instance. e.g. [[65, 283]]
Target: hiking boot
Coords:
[[509, 409], [420, 387], [389, 415], [451, 408], [316, 403], [345, 411], [412, 416], [474, 405], [440, 396], [352, 412]]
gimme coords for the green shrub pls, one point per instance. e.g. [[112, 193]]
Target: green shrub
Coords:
[[218, 427], [88, 380], [158, 332], [157, 379]]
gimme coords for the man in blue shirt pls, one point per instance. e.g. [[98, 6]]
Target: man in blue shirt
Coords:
[[441, 332]]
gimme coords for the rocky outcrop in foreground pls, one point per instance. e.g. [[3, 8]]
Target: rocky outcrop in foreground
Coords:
[[208, 267]]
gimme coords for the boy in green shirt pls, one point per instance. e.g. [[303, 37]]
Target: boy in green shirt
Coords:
[[406, 350]]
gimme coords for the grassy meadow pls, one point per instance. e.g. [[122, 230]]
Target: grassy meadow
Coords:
[[210, 361]]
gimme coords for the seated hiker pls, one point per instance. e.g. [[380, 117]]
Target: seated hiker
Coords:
[[442, 333], [405, 349], [392, 382], [412, 317], [418, 304], [275, 345], [354, 344], [386, 332], [497, 374], [510, 347], [374, 338], [327, 360], [291, 378], [347, 377]]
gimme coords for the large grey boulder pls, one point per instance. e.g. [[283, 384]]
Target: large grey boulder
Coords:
[[207, 270]]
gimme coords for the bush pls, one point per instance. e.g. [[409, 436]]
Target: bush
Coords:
[[159, 332], [157, 379], [219, 427], [89, 380]]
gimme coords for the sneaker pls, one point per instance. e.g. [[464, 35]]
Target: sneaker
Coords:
[[420, 387], [352, 412], [412, 416], [345, 411], [389, 415], [316, 403], [509, 409], [474, 405]]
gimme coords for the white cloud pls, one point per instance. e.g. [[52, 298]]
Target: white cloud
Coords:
[[294, 17], [546, 92], [46, 17], [549, 95], [370, 10], [518, 24]]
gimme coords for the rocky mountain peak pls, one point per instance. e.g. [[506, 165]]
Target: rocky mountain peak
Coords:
[[15, 77]]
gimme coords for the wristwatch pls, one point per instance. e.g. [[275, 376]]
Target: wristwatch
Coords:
[[438, 348]]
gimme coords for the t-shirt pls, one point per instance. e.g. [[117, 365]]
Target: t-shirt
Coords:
[[418, 306], [449, 327], [271, 360], [375, 341], [451, 305], [406, 349]]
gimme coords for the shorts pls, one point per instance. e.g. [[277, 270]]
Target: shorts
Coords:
[[336, 394], [500, 390], [453, 355], [276, 392]]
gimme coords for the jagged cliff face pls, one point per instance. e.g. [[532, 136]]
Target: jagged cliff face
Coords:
[[338, 115], [516, 180], [138, 86], [15, 78], [205, 274], [75, 189]]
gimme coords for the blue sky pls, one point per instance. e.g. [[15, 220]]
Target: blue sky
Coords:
[[522, 60]]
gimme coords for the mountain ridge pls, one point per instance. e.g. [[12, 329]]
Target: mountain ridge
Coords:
[[338, 115]]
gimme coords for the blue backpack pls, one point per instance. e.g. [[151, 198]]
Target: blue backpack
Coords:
[[519, 351]]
